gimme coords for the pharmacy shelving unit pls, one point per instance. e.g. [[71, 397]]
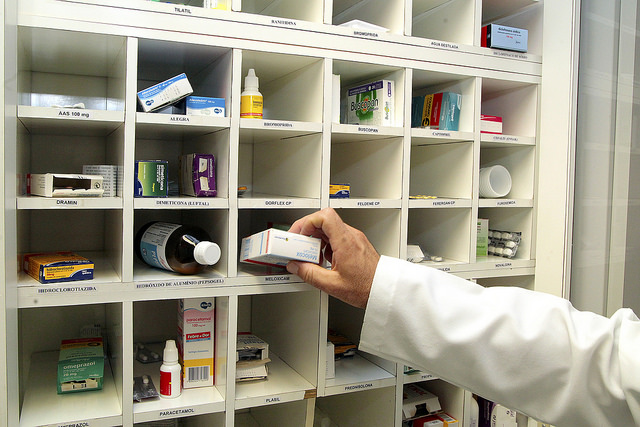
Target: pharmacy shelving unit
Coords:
[[100, 53]]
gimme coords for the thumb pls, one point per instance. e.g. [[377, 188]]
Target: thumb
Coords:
[[313, 274]]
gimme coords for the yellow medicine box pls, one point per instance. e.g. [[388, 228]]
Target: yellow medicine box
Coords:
[[58, 267]]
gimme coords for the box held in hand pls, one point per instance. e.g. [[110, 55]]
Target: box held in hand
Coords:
[[64, 185], [275, 247], [80, 365]]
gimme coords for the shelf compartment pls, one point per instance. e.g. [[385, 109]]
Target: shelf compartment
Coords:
[[443, 170], [275, 169], [159, 126], [353, 74], [373, 168], [520, 162], [526, 14], [65, 68], [450, 396], [293, 370], [153, 323], [381, 226], [446, 20], [94, 233], [513, 220], [515, 102], [41, 331], [208, 68], [289, 414], [442, 232], [368, 407], [387, 14], [291, 85], [214, 221], [251, 221], [311, 11], [69, 121], [525, 281]]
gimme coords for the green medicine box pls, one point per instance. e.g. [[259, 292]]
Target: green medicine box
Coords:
[[80, 365], [151, 178]]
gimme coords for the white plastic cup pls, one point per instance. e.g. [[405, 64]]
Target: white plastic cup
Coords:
[[495, 181]]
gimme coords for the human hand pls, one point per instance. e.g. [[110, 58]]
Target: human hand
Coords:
[[353, 259]]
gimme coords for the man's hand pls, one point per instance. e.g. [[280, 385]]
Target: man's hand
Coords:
[[353, 259]]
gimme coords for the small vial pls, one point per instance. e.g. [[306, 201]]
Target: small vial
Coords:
[[170, 378]]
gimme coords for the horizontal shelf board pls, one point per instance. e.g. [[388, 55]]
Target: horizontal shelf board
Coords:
[[168, 126], [505, 203], [36, 202], [484, 274], [192, 401], [492, 263], [341, 133], [43, 406], [365, 203], [144, 276], [180, 203], [439, 203], [447, 265], [416, 377], [69, 121], [357, 374], [283, 384], [254, 130], [250, 274], [270, 201], [489, 140], [421, 136]]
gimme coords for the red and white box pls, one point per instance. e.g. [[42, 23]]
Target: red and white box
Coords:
[[490, 124], [196, 341]]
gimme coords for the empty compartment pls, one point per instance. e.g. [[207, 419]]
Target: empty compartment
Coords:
[[288, 322], [523, 14], [290, 414], [441, 233], [95, 234], [292, 9], [291, 86], [373, 168], [67, 68], [525, 281], [284, 167], [208, 68], [519, 162], [155, 322], [443, 170], [206, 420], [386, 14], [42, 331], [370, 407], [215, 222], [515, 102], [511, 220], [380, 225], [252, 221], [452, 21]]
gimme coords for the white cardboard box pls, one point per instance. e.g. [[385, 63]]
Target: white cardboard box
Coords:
[[276, 247], [414, 396], [196, 327], [64, 185]]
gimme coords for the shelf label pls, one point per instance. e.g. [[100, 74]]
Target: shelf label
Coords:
[[503, 265], [284, 22], [510, 54], [369, 204], [358, 387], [277, 125], [76, 424], [183, 10], [444, 202], [505, 138], [274, 399], [445, 269], [279, 203], [440, 44], [179, 283], [74, 114], [187, 203], [177, 413], [426, 377], [441, 134], [178, 118], [67, 290], [74, 203], [361, 33], [277, 279], [506, 203], [365, 129]]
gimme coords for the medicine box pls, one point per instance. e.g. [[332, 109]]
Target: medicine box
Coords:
[[339, 191], [64, 185], [198, 175], [80, 365], [414, 396], [164, 93], [331, 361], [251, 347], [490, 124], [503, 37], [111, 178], [482, 240], [437, 111], [57, 267], [448, 420], [276, 247], [151, 178], [371, 103], [204, 106], [196, 327]]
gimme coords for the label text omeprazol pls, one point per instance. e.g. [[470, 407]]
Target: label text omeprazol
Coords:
[[75, 425]]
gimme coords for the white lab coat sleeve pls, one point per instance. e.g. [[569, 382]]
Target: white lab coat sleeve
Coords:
[[527, 350]]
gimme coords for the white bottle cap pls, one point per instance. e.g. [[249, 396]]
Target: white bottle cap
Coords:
[[206, 253], [251, 81], [170, 352]]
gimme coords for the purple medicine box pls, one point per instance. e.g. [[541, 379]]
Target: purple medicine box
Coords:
[[198, 175]]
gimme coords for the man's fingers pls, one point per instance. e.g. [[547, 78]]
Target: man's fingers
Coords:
[[313, 274], [325, 222]]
